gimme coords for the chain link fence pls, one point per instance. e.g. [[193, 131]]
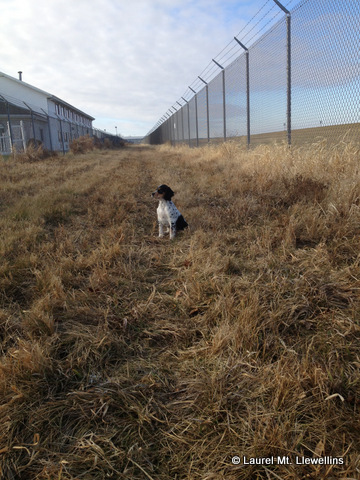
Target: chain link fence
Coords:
[[298, 83], [22, 125]]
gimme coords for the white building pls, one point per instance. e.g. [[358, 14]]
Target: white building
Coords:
[[30, 115]]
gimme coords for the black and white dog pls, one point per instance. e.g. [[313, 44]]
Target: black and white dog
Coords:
[[168, 215]]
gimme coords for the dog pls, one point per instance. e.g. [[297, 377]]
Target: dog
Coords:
[[167, 214]]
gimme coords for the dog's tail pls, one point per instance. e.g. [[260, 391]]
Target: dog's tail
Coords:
[[181, 224]]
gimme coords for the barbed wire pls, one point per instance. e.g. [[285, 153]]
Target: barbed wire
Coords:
[[226, 55]]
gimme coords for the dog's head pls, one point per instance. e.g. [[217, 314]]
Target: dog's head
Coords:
[[163, 192]]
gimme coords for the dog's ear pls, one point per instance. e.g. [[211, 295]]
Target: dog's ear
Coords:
[[168, 194]]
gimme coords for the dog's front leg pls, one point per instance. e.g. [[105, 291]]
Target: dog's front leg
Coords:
[[172, 230], [161, 230]]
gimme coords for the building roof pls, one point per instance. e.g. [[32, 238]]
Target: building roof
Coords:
[[20, 104], [49, 96], [57, 99]]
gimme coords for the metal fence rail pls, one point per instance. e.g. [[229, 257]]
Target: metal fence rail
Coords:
[[298, 82]]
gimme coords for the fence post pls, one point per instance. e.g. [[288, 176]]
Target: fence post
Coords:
[[168, 138], [23, 135], [176, 125], [247, 90], [169, 130], [207, 108], [9, 122], [188, 115], [49, 126], [182, 120], [173, 130], [288, 68], [224, 96], [161, 129], [71, 134], [173, 124], [196, 115], [164, 129], [32, 122], [10, 137], [61, 133]]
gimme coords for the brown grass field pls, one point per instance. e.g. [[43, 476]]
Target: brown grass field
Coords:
[[330, 134], [126, 356]]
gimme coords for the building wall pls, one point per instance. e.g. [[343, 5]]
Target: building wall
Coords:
[[55, 131], [23, 91]]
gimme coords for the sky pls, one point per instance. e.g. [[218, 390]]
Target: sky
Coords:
[[124, 62]]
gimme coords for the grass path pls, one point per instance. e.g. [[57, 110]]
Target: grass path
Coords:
[[129, 356]]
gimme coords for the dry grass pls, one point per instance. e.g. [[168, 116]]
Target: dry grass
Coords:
[[82, 144], [128, 356], [33, 153], [87, 144]]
